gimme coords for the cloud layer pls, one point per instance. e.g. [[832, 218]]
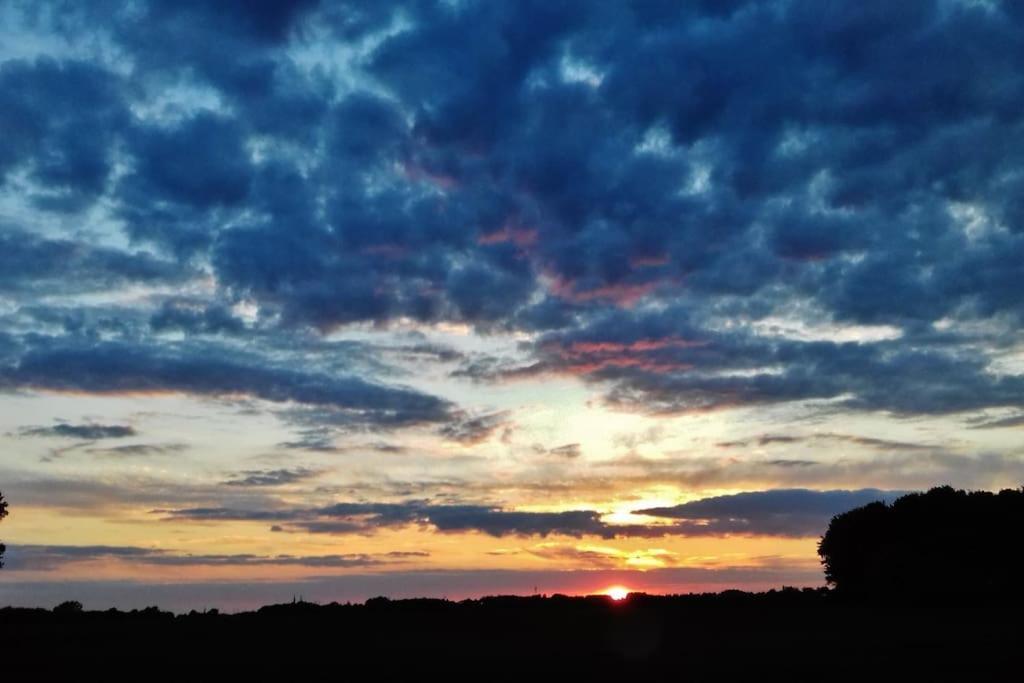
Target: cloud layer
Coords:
[[783, 512], [528, 167]]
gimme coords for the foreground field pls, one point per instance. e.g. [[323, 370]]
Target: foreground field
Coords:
[[806, 635]]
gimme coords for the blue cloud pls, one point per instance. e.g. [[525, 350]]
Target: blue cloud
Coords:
[[783, 512], [556, 169], [112, 368], [33, 264], [61, 123]]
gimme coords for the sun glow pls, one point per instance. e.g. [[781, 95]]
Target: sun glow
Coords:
[[617, 593]]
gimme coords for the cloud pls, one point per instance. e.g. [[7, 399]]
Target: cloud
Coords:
[[661, 363], [317, 439], [998, 423], [195, 318], [499, 523], [522, 168], [119, 368], [437, 352], [793, 463], [603, 558], [783, 512], [184, 175], [86, 431], [475, 430], [63, 119], [121, 491], [697, 471], [33, 264], [787, 512], [569, 450], [343, 518], [141, 449], [30, 557], [869, 442], [588, 557], [271, 477]]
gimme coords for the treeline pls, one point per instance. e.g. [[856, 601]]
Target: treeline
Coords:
[[798, 634], [935, 547], [926, 587]]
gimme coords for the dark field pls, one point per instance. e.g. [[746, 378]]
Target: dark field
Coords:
[[781, 635]]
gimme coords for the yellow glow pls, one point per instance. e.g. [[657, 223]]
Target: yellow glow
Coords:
[[617, 593]]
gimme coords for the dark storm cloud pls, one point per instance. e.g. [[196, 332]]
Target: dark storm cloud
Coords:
[[784, 512], [569, 169], [119, 368], [86, 431]]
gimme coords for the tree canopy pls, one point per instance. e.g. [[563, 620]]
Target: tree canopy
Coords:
[[940, 543]]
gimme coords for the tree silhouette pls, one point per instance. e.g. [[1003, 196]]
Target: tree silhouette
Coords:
[[944, 542], [68, 607], [3, 513]]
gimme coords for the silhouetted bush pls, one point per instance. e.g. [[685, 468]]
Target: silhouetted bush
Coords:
[[3, 513], [942, 543], [68, 607]]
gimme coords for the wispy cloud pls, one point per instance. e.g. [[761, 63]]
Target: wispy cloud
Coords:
[[272, 477], [85, 431], [28, 557]]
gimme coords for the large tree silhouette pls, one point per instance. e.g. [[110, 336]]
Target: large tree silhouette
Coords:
[[941, 543], [3, 513]]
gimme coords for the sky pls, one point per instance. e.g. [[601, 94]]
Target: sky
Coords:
[[457, 298]]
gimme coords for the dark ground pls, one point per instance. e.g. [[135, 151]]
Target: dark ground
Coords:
[[781, 635]]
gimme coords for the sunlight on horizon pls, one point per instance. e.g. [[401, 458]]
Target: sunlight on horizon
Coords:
[[617, 593]]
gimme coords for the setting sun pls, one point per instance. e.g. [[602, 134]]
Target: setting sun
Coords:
[[617, 593]]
